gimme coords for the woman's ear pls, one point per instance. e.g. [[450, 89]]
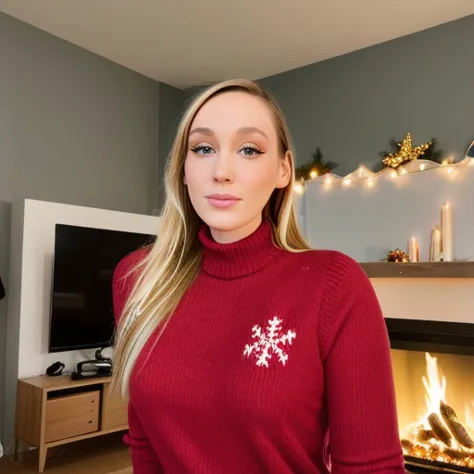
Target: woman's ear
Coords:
[[286, 164]]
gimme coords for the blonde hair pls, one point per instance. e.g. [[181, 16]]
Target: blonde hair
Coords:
[[173, 262]]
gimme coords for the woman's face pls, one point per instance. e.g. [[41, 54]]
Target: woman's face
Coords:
[[233, 164]]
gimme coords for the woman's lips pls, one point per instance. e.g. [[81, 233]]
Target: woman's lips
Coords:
[[222, 201]]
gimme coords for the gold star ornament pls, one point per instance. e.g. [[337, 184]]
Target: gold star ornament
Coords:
[[406, 153]]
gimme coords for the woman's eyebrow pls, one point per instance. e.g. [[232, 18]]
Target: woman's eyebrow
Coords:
[[248, 130], [242, 131], [202, 130]]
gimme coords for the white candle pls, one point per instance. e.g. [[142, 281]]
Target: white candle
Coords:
[[435, 245], [447, 232], [413, 250]]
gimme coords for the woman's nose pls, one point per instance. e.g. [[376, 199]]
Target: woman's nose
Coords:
[[224, 168]]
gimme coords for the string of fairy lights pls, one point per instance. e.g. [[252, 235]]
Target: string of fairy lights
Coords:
[[368, 178], [406, 160]]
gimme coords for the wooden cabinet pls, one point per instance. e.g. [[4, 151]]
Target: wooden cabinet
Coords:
[[72, 415], [114, 411], [52, 411]]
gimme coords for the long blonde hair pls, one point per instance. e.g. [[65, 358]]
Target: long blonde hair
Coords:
[[173, 262]]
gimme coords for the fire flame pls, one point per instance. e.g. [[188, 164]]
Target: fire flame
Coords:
[[469, 417], [438, 435], [435, 385]]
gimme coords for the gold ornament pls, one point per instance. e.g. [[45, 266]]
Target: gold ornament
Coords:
[[397, 256], [406, 153]]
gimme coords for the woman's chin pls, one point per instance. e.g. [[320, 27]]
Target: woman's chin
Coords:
[[223, 221], [231, 227]]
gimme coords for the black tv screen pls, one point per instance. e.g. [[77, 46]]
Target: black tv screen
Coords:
[[82, 314]]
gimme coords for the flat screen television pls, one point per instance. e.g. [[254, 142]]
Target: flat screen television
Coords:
[[84, 260]]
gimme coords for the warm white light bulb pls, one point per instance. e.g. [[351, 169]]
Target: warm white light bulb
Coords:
[[299, 188], [393, 174], [449, 170], [313, 174], [370, 182], [422, 167], [327, 179], [347, 181], [403, 171]]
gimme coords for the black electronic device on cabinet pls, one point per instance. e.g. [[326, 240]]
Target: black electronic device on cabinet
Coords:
[[99, 367]]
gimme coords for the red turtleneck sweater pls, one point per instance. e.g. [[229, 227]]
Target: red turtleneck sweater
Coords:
[[273, 362]]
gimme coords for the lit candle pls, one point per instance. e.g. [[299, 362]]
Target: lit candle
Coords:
[[435, 245], [447, 232], [413, 250]]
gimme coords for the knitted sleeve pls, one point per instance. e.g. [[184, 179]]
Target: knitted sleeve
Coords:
[[354, 345], [143, 456], [144, 460]]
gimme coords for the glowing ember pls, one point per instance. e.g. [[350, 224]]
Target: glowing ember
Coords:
[[439, 436]]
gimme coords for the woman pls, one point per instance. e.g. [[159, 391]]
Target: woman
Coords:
[[241, 350]]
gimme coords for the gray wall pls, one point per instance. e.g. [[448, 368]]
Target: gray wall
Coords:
[[74, 128], [5, 212], [352, 105], [171, 102]]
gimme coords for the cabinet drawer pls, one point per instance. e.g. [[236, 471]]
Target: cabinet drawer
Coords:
[[114, 411], [72, 415]]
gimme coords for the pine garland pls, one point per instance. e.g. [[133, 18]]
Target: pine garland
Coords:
[[316, 167]]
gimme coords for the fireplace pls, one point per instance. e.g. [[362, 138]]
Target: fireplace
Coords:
[[433, 365]]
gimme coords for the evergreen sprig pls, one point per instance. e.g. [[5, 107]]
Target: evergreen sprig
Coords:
[[317, 165]]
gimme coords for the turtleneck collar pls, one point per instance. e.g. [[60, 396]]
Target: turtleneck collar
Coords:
[[240, 258]]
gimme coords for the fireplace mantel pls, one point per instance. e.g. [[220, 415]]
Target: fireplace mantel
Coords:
[[419, 270], [431, 336]]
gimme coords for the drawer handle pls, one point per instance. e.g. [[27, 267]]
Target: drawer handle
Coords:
[[90, 422]]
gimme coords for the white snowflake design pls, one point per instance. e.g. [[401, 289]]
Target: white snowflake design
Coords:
[[269, 341]]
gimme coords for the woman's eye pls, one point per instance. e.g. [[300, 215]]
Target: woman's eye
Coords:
[[202, 150], [250, 151]]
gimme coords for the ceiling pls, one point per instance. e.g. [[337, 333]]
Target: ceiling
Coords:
[[191, 42]]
